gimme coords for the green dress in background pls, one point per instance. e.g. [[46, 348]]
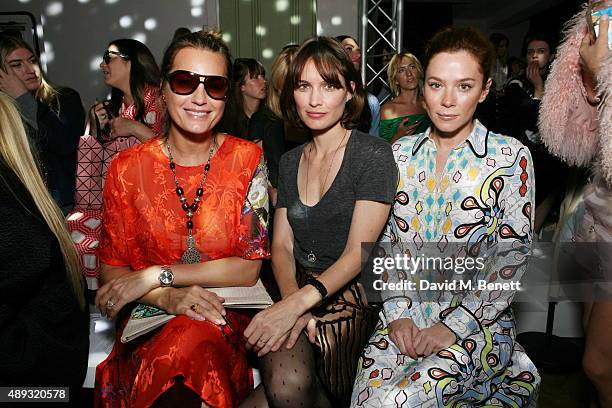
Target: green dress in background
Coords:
[[388, 127]]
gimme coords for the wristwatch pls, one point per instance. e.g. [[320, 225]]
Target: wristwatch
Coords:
[[166, 277]]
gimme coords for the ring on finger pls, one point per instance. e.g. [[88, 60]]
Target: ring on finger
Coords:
[[110, 304], [194, 307]]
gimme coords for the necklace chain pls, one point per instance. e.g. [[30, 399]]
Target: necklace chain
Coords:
[[191, 254], [312, 258], [321, 188]]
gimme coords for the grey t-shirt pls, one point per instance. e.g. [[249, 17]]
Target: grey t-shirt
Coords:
[[368, 172]]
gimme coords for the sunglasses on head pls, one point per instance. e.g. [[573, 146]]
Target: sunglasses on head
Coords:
[[186, 82], [107, 56]]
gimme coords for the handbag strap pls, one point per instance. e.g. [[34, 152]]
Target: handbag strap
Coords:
[[91, 114]]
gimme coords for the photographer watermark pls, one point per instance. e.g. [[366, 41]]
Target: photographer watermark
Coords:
[[534, 273]]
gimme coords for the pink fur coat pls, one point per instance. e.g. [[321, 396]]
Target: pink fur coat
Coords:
[[570, 127], [582, 135]]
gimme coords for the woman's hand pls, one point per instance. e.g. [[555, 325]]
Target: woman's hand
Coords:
[[307, 323], [433, 339], [269, 326], [101, 113], [405, 129], [121, 127], [533, 75], [118, 292], [194, 302], [10, 83], [402, 333], [592, 52]]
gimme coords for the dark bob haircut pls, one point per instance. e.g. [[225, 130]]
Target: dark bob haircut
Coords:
[[454, 39], [333, 64]]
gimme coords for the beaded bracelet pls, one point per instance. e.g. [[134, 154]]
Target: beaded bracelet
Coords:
[[318, 285]]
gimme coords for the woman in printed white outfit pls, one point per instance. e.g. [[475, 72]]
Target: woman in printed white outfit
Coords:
[[459, 184]]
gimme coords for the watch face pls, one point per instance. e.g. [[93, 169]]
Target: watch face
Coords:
[[166, 277]]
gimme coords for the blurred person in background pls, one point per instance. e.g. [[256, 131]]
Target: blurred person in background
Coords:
[[370, 119], [267, 125], [500, 68], [518, 117], [404, 115], [248, 95], [135, 110], [54, 114]]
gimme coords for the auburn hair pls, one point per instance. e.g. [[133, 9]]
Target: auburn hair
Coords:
[[454, 39]]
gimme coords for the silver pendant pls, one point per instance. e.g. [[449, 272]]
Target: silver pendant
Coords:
[[312, 258], [191, 254]]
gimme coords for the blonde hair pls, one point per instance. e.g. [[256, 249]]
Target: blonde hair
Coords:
[[394, 66], [15, 150], [46, 93], [278, 74]]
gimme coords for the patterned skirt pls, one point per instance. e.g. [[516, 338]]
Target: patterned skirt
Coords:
[[345, 322], [489, 368]]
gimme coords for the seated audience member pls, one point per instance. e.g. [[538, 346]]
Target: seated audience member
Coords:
[[516, 69], [370, 118], [55, 114], [135, 110], [182, 212], [404, 114], [488, 111], [334, 193], [576, 124], [459, 184], [267, 124], [134, 114], [248, 92], [44, 322], [518, 117], [500, 67]]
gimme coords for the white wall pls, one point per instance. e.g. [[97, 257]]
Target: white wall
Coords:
[[338, 17], [76, 32]]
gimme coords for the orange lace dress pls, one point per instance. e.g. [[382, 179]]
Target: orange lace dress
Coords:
[[145, 225]]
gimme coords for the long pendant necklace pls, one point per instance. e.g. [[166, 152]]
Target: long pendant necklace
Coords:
[[312, 258], [191, 254]]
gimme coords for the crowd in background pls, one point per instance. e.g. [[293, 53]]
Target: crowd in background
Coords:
[[210, 168]]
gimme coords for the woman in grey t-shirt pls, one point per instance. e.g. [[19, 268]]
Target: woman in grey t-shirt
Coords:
[[334, 193]]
